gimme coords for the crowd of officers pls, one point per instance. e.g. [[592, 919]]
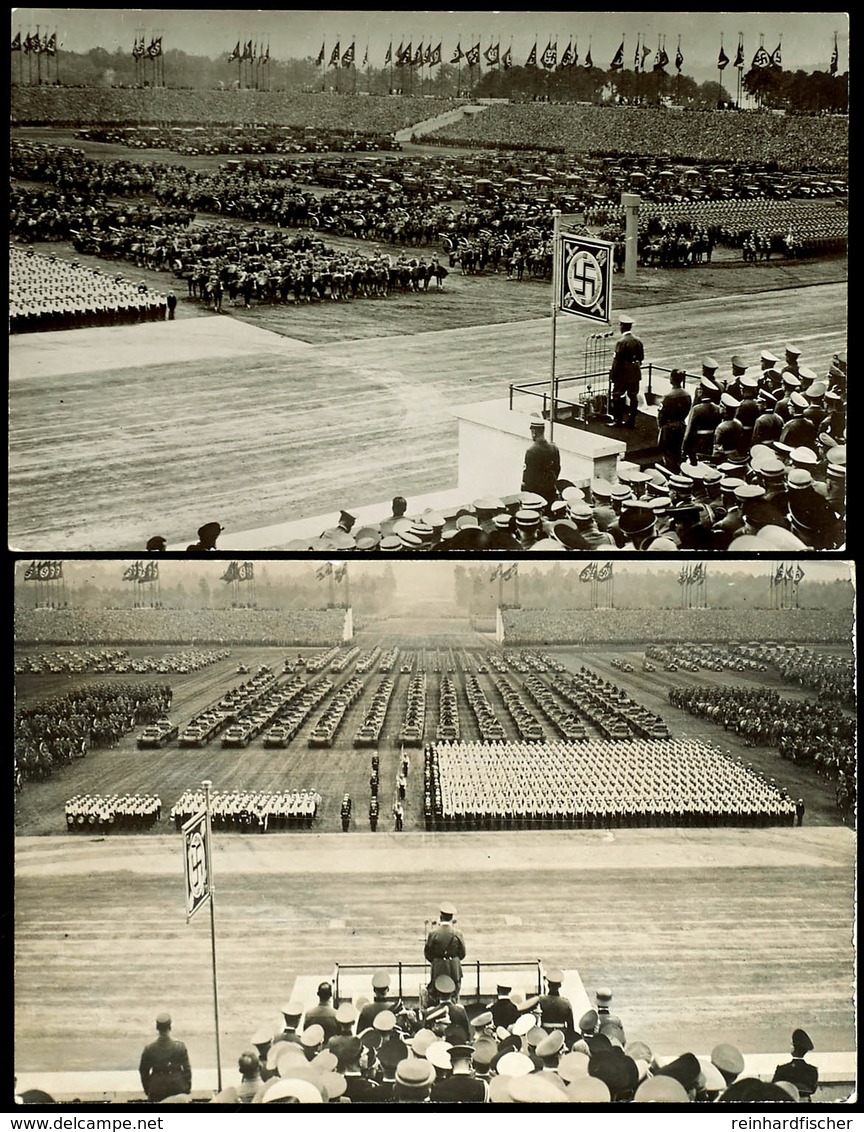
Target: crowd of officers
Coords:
[[518, 1047], [46, 293], [111, 813], [56, 731], [595, 784]]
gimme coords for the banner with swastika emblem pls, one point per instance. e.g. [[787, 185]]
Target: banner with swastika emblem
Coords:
[[195, 864], [586, 277]]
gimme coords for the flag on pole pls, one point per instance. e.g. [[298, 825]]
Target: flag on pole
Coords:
[[324, 571], [722, 59], [340, 571], [550, 54], [458, 53], [427, 55], [683, 575], [230, 574], [637, 56], [16, 42], [417, 61], [507, 59], [790, 573], [780, 575], [265, 57], [335, 55], [646, 51], [388, 58], [739, 55], [492, 54], [319, 62], [139, 50], [30, 572], [567, 55], [496, 573], [589, 62], [605, 572], [799, 574], [155, 48], [661, 59], [366, 56], [617, 63], [588, 573], [531, 61], [761, 59], [832, 66], [679, 58], [510, 572], [348, 57], [404, 57], [472, 55], [777, 58], [435, 57]]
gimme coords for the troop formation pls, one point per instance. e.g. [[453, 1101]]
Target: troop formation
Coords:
[[47, 293], [88, 813], [596, 784], [250, 811]]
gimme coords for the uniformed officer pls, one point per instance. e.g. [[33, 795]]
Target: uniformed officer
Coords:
[[164, 1068], [671, 420], [445, 948], [556, 1011], [800, 1073], [626, 374], [542, 462], [705, 416]]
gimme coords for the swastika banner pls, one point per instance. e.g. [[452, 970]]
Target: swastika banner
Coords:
[[195, 864], [586, 277]]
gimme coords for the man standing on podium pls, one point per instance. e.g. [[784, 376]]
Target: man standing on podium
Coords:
[[445, 949], [626, 374]]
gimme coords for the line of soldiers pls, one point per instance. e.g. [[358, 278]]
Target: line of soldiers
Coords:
[[596, 784], [106, 813], [246, 811]]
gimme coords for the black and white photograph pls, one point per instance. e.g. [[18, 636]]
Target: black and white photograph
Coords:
[[480, 831], [397, 281]]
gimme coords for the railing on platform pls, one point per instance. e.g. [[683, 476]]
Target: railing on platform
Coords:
[[471, 974], [590, 393]]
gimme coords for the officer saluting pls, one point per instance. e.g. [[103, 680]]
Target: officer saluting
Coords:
[[626, 373], [445, 948]]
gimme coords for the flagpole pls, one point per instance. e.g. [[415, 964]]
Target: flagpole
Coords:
[[556, 283], [209, 859]]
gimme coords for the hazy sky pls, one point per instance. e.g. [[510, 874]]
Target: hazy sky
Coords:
[[807, 37]]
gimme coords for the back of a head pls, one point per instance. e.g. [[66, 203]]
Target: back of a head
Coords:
[[400, 505]]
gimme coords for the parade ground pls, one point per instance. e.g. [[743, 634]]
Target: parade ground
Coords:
[[704, 935], [259, 419]]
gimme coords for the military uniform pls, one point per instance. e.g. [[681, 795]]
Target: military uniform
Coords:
[[626, 375], [542, 465], [164, 1067], [671, 421]]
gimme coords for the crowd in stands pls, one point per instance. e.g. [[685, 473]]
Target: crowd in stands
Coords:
[[69, 106], [629, 626], [596, 783], [53, 733], [46, 293], [168, 626], [792, 143]]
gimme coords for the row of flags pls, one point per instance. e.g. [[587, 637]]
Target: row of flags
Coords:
[[239, 572], [504, 573], [785, 574], [327, 569], [35, 44], [142, 572], [152, 50], [595, 573], [43, 572], [692, 575], [425, 54], [250, 51]]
